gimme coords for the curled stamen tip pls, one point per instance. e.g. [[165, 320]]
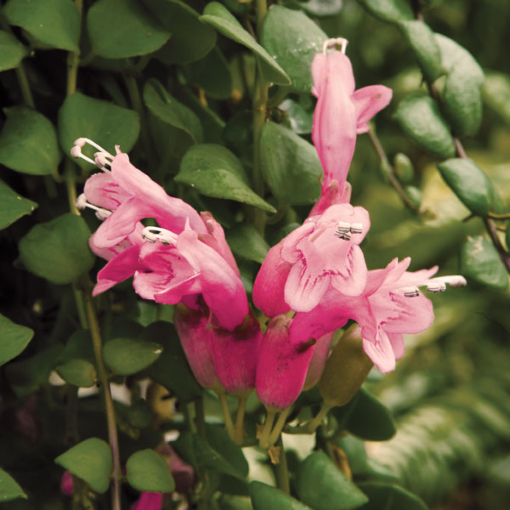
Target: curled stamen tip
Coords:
[[80, 142], [76, 151], [81, 201], [457, 281], [411, 292], [331, 43], [101, 159]]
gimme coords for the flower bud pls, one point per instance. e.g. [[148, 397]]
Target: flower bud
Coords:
[[346, 369], [195, 337], [318, 361], [282, 366]]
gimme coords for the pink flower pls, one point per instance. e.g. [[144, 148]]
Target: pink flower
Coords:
[[184, 258], [321, 254], [341, 113], [148, 501], [390, 306], [282, 365], [66, 483]]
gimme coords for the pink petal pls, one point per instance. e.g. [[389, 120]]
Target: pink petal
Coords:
[[318, 361], [331, 195], [413, 314], [353, 283], [397, 343], [102, 190], [378, 348], [268, 289], [368, 101]]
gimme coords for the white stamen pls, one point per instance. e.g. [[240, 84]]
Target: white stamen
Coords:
[[453, 281], [343, 230], [332, 43], [100, 157], [82, 203], [411, 291], [153, 234], [357, 228], [435, 285]]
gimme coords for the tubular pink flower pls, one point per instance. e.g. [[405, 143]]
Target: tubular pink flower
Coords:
[[341, 113], [282, 365], [318, 360], [321, 254], [390, 306]]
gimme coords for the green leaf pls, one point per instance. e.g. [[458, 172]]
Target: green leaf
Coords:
[[297, 118], [91, 460], [170, 111], [79, 346], [469, 182], [214, 171], [323, 486], [103, 122], [422, 41], [421, 119], [370, 419], [14, 339], [461, 96], [13, 206], [200, 454], [218, 438], [384, 496], [403, 167], [323, 7], [389, 10], [28, 142], [293, 39], [12, 52], [171, 369], [123, 28], [58, 250], [139, 414], [9, 489], [245, 241], [265, 497], [148, 472], [78, 372], [212, 74], [496, 94], [127, 356], [191, 40], [290, 165], [52, 22], [480, 261], [216, 15]]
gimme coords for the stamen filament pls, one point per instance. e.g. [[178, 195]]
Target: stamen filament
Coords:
[[435, 285], [82, 203], [166, 237]]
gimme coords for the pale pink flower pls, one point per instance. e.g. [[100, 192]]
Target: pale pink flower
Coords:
[[341, 113], [321, 254], [390, 306]]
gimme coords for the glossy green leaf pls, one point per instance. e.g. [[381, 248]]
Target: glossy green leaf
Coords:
[[200, 454], [148, 472], [470, 184], [123, 28], [191, 40], [12, 52], [13, 206], [216, 15], [14, 339], [245, 241], [370, 419], [52, 22], [389, 10], [78, 372], [265, 497], [28, 142], [292, 39], [211, 73], [390, 497], [9, 489], [231, 502], [323, 486], [462, 90], [79, 346], [58, 250], [171, 369], [403, 167], [90, 460], [421, 119], [167, 109], [422, 41], [27, 375], [127, 356], [103, 122], [218, 438], [290, 165], [296, 117], [214, 171], [480, 261]]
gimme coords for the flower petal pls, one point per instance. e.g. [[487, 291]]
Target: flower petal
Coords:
[[378, 348], [368, 101]]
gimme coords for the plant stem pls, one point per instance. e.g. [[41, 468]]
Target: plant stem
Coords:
[[493, 232], [385, 164], [280, 423], [313, 424], [226, 413], [281, 471], [267, 428], [200, 417], [110, 410], [239, 426], [261, 14]]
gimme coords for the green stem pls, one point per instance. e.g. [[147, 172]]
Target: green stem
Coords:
[[226, 414], [267, 428], [239, 426], [313, 424], [110, 410], [200, 417], [280, 423], [281, 471], [261, 14], [72, 415]]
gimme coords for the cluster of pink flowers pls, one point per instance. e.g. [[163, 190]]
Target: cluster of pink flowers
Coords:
[[318, 271]]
